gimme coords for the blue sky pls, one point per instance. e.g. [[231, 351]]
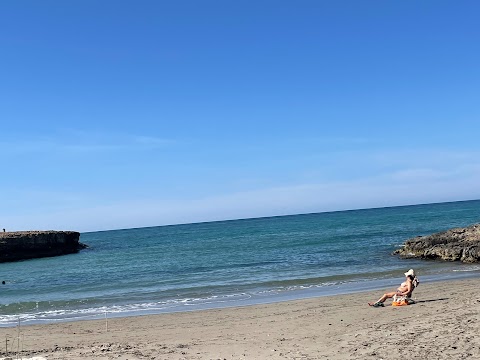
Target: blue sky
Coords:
[[119, 114]]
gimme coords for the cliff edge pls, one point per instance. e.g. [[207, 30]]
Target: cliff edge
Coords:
[[460, 244], [23, 245]]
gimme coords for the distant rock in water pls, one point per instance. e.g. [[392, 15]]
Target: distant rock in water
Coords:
[[460, 244], [23, 245]]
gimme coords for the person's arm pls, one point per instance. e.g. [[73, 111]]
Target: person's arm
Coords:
[[409, 289]]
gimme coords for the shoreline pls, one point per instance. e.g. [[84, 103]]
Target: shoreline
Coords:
[[333, 327], [240, 300]]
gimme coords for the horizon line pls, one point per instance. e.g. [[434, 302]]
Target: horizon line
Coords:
[[279, 216]]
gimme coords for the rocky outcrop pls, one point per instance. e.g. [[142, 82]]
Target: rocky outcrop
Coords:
[[460, 244], [24, 245]]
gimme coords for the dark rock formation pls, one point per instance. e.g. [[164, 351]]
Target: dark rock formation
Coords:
[[24, 245], [461, 244]]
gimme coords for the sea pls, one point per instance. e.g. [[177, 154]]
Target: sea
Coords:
[[229, 263]]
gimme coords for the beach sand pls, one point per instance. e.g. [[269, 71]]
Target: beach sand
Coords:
[[443, 324]]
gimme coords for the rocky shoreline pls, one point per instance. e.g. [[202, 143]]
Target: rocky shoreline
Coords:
[[459, 244], [24, 245]]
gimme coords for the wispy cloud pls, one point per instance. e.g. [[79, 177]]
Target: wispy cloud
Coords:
[[376, 191], [81, 142], [418, 174], [152, 142], [339, 141], [423, 158], [427, 179]]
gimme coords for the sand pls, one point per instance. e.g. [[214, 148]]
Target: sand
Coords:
[[443, 324]]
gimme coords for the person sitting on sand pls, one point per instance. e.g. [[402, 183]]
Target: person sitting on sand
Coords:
[[405, 289]]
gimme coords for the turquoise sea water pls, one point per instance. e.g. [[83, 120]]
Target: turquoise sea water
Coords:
[[228, 263]]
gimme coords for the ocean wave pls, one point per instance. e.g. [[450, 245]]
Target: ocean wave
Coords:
[[469, 269], [74, 314]]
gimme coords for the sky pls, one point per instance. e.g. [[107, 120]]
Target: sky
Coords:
[[121, 114]]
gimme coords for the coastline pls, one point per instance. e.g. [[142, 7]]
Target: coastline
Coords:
[[260, 297], [238, 263], [443, 324]]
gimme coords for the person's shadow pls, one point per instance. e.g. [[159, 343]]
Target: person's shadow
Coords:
[[430, 300]]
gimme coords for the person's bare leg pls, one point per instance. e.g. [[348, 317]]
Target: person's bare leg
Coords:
[[383, 298], [386, 296]]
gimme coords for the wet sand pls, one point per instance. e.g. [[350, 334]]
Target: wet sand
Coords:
[[443, 324]]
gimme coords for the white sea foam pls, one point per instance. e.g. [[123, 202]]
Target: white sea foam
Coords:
[[115, 310], [469, 269]]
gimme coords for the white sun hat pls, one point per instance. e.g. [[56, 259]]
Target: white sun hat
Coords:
[[410, 272]]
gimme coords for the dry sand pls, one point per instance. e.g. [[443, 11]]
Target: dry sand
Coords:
[[444, 324]]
